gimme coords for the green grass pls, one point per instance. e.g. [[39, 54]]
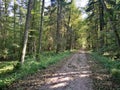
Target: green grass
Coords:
[[7, 66], [113, 66], [31, 66]]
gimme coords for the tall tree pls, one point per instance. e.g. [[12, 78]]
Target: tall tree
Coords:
[[27, 26], [40, 31], [101, 20], [59, 8], [14, 9], [41, 26]]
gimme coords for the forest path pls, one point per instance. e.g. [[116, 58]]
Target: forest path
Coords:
[[73, 75]]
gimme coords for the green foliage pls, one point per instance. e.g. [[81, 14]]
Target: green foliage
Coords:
[[30, 67], [4, 53], [103, 32], [12, 35], [6, 67], [112, 66]]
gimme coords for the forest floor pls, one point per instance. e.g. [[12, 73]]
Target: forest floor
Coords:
[[72, 73], [76, 72]]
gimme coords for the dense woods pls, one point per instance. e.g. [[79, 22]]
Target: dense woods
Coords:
[[30, 29], [104, 15]]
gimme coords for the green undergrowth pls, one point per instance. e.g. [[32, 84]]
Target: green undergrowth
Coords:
[[30, 67], [113, 66]]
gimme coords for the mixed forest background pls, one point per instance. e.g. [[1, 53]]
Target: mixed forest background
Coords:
[[29, 29], [33, 28]]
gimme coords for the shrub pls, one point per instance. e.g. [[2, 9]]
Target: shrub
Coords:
[[115, 74]]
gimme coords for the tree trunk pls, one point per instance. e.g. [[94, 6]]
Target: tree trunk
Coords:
[[58, 26], [0, 8], [41, 26], [40, 31], [25, 38], [101, 20], [14, 26], [5, 24], [68, 32], [32, 38]]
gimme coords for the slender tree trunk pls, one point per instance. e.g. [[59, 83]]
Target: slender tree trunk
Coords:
[[32, 32], [71, 36], [101, 20], [58, 26], [14, 25], [20, 25], [25, 38], [41, 26], [21, 31], [68, 32], [40, 31], [96, 33], [0, 7], [1, 44], [0, 15], [5, 24]]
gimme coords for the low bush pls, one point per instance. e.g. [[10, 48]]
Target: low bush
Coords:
[[115, 75]]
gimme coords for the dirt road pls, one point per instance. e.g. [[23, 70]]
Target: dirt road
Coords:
[[74, 75]]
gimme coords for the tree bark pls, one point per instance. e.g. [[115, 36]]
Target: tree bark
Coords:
[[101, 20], [0, 7], [14, 25], [25, 38], [58, 26], [40, 31], [68, 47], [41, 27]]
